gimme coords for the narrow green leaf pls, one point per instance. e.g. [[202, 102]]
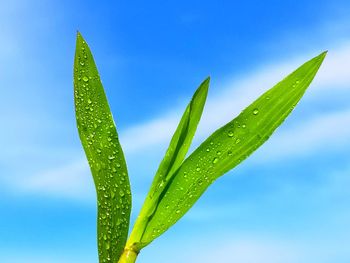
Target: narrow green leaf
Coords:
[[99, 138], [181, 139], [173, 158], [227, 147]]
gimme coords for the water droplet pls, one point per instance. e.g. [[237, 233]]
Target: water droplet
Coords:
[[111, 157], [85, 79], [121, 193], [177, 211], [230, 134], [198, 169], [255, 111], [89, 101], [108, 245], [105, 237], [244, 126], [118, 165], [215, 160], [82, 63], [238, 141]]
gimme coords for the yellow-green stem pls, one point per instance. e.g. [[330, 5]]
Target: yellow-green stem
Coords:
[[128, 256]]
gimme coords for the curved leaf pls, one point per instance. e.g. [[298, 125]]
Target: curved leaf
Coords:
[[99, 138], [181, 140], [174, 157], [228, 146]]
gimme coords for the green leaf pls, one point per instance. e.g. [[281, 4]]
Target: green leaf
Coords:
[[173, 158], [99, 138], [181, 139], [227, 147]]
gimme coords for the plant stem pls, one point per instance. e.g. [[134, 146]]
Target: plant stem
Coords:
[[128, 256]]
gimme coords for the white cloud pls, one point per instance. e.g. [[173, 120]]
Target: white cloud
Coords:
[[71, 181], [145, 135], [264, 249], [247, 248], [237, 94], [334, 72], [328, 131], [252, 251]]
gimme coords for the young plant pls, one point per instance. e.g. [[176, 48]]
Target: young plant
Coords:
[[179, 181]]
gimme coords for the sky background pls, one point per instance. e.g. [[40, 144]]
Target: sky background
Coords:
[[289, 202]]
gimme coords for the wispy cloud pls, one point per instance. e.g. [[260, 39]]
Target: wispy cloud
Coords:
[[329, 131], [267, 249], [236, 95], [334, 73], [70, 181], [252, 250]]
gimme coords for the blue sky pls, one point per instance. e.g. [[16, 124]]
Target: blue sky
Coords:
[[289, 202]]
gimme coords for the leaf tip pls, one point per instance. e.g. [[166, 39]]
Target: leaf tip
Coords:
[[79, 35], [323, 54], [207, 81], [80, 40], [205, 84]]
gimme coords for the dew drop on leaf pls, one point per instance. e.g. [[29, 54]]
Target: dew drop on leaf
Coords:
[[255, 111]]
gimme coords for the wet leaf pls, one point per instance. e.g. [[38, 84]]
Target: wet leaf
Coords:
[[227, 147], [99, 138], [173, 158]]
